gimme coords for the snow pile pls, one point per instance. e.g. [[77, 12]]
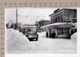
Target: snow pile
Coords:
[[16, 41], [74, 36]]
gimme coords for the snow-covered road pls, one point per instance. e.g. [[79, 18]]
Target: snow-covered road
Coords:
[[18, 43]]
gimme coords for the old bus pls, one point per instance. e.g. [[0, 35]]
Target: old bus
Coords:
[[30, 32]]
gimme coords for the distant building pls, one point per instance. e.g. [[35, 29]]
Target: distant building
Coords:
[[42, 23], [62, 21]]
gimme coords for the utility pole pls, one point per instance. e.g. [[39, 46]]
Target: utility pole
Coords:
[[16, 19]]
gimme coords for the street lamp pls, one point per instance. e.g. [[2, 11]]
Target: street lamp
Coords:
[[16, 19]]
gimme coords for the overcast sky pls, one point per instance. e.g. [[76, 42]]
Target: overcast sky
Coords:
[[28, 15]]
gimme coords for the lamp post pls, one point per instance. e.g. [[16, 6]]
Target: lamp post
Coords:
[[16, 19]]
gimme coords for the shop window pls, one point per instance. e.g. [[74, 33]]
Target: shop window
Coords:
[[65, 31], [61, 31]]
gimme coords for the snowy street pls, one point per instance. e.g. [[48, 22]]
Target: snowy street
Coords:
[[16, 42]]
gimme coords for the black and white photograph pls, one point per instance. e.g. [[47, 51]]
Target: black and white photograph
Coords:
[[33, 30]]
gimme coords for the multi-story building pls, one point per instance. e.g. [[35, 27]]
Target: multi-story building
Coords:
[[63, 15], [62, 21]]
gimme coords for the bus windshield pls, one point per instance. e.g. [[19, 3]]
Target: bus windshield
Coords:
[[31, 29]]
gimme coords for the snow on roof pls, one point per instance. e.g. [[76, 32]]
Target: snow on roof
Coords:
[[58, 25]]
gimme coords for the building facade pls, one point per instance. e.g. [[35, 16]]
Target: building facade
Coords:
[[62, 21], [61, 16]]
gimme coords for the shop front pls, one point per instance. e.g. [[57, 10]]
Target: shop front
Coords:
[[58, 30], [63, 32]]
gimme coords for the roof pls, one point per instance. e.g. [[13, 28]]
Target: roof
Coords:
[[59, 10]]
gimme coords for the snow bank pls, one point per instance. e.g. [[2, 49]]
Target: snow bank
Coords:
[[16, 41], [74, 36]]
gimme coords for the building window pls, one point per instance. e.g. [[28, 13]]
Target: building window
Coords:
[[58, 19], [55, 19], [61, 18], [74, 20], [51, 20]]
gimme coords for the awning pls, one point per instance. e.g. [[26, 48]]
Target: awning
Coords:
[[58, 25]]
